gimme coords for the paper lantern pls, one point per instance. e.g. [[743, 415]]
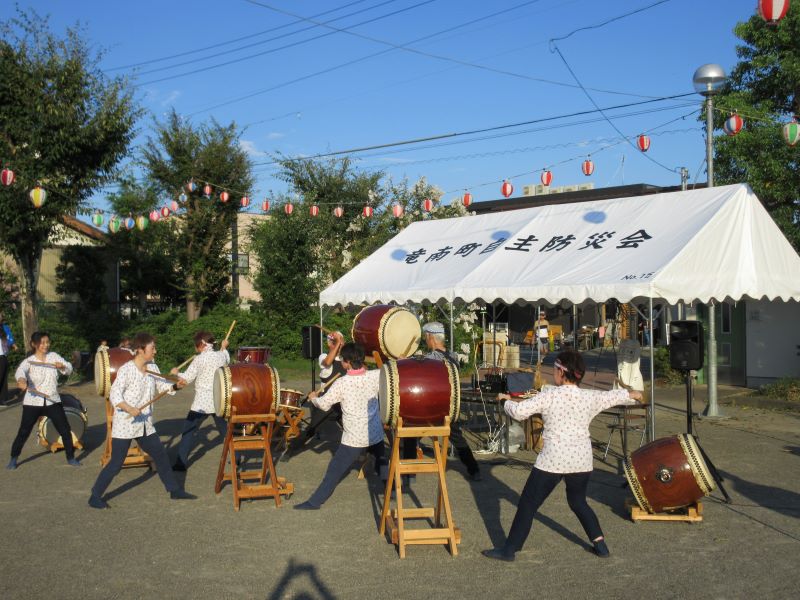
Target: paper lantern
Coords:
[[368, 211], [183, 197], [733, 124], [142, 222], [224, 196], [164, 212], [97, 219], [38, 195], [427, 205], [466, 198], [791, 133], [173, 206], [338, 212], [643, 143], [772, 11], [313, 210], [207, 191], [129, 223], [397, 210], [587, 167], [244, 202], [114, 223], [265, 205], [547, 177], [288, 208], [7, 177], [155, 216], [191, 186], [506, 189]]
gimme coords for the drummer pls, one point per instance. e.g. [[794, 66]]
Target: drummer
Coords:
[[357, 393], [37, 377], [132, 389], [201, 371], [566, 454]]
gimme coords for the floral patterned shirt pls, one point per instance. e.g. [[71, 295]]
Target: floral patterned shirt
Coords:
[[135, 389], [357, 392], [201, 371], [42, 379]]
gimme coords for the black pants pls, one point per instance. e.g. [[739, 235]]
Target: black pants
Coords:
[[340, 464], [408, 448], [54, 412], [119, 450], [190, 429], [538, 487], [3, 378]]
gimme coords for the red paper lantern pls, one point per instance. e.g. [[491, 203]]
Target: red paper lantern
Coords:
[[427, 205], [466, 199], [587, 167], [224, 196], [155, 216], [173, 206], [245, 201], [314, 210], [288, 208], [506, 189], [643, 143], [547, 177], [397, 210], [338, 212], [207, 191], [368, 211], [7, 177], [265, 205], [164, 211], [733, 124], [772, 11]]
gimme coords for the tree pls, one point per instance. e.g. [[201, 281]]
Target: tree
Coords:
[[63, 125], [181, 153], [764, 88], [81, 272]]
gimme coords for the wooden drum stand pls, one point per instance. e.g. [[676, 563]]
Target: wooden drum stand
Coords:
[[394, 520], [136, 456], [276, 487]]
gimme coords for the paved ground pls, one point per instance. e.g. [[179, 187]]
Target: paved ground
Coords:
[[147, 545]]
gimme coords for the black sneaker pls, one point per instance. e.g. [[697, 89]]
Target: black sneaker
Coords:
[[97, 502], [498, 554], [601, 549], [182, 495]]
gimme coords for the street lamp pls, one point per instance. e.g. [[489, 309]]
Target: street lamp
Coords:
[[708, 80]]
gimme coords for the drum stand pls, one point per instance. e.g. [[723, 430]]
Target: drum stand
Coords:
[[233, 444], [56, 446], [135, 458], [394, 520], [290, 417]]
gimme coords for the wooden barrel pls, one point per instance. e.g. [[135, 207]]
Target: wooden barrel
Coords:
[[421, 390], [253, 388], [391, 331]]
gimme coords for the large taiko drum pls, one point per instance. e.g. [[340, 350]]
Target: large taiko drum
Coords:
[[668, 473], [421, 390], [254, 389], [253, 354], [106, 364], [76, 417], [391, 331]]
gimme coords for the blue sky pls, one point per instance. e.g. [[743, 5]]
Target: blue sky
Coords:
[[305, 99]]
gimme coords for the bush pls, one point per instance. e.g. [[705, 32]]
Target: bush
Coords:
[[787, 388], [664, 370]]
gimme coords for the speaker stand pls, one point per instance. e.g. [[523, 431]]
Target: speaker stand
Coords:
[[714, 473], [689, 401]]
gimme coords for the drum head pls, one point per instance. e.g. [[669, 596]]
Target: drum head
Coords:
[[389, 393], [77, 424], [400, 333], [102, 373], [697, 463], [291, 397], [68, 400], [223, 391]]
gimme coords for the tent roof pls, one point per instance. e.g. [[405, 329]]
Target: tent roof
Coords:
[[699, 245]]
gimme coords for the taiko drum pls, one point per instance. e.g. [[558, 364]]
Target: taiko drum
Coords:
[[668, 473], [251, 388], [421, 390], [291, 398], [76, 417], [391, 331], [253, 354], [106, 364]]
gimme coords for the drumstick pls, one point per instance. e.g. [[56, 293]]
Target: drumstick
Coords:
[[35, 363], [186, 362], [36, 392], [227, 335], [414, 342], [323, 387], [325, 330], [290, 407], [158, 397], [167, 376]]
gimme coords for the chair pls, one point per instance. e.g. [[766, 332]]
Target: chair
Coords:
[[627, 418]]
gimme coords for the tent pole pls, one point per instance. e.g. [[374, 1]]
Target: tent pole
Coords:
[[652, 376], [451, 327]]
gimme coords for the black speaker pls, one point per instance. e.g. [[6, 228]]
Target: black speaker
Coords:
[[686, 345], [312, 341]]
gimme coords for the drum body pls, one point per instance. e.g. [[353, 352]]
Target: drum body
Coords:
[[253, 354], [254, 389], [106, 364], [391, 331], [76, 417], [291, 397], [668, 473], [421, 390]]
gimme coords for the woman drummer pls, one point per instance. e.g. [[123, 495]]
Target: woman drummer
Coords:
[[37, 377], [133, 388], [566, 454], [201, 371]]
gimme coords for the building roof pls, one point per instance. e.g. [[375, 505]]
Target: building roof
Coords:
[[83, 228]]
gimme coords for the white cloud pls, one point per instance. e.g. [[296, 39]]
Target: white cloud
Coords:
[[250, 148], [171, 98], [275, 135]]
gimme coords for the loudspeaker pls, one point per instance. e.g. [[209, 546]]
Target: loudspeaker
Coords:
[[312, 342], [686, 345]]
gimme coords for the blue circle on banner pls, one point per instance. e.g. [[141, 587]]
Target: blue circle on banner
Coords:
[[596, 216], [399, 254], [501, 235]]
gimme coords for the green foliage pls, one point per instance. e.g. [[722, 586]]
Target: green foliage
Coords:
[[9, 290], [787, 388], [764, 89], [663, 368], [81, 272]]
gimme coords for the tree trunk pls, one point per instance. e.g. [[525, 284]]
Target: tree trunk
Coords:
[[28, 269], [193, 308]]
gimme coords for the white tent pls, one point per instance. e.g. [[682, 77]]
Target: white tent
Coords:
[[699, 245]]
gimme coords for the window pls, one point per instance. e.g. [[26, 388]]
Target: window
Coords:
[[242, 264], [726, 315]]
